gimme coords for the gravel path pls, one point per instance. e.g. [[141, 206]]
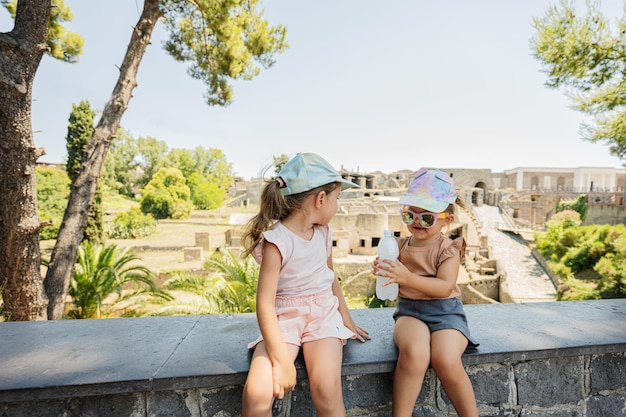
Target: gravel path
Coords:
[[527, 280]]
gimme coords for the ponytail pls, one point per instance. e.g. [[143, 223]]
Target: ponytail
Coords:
[[274, 207]]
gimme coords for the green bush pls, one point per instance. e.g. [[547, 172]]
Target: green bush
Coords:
[[132, 224], [207, 196], [53, 190], [590, 260], [576, 289], [578, 205], [167, 195]]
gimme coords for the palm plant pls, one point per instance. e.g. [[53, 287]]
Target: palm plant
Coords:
[[229, 288], [102, 271], [237, 292], [191, 295]]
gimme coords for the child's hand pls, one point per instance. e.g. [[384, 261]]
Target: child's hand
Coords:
[[394, 270], [361, 333], [375, 266], [379, 266], [283, 377]]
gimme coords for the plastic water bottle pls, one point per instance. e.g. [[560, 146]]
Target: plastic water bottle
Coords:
[[387, 249]]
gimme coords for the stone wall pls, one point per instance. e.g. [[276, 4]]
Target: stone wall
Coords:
[[572, 386], [556, 359], [606, 214]]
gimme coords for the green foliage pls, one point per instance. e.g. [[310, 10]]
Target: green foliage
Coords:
[[229, 288], [94, 229], [612, 267], [101, 272], [210, 163], [238, 292], [580, 53], [221, 40], [53, 191], [204, 195], [121, 171], [167, 195], [590, 260], [150, 156], [560, 235], [132, 224], [578, 205], [79, 132], [62, 44], [131, 164], [576, 289], [118, 202], [279, 162]]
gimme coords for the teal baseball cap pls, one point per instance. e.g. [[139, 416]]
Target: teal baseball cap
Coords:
[[306, 171], [431, 190]]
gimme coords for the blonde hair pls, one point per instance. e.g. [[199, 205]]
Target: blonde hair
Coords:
[[275, 207]]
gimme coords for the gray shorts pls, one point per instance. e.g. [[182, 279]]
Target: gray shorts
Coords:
[[437, 315]]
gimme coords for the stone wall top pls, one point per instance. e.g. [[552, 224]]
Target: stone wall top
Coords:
[[73, 358]]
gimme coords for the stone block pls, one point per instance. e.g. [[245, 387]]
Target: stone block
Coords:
[[192, 254], [220, 401], [233, 237], [171, 403], [613, 405], [491, 383], [372, 390], [608, 372], [203, 240], [548, 382]]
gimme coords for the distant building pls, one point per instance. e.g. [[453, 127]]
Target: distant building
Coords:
[[580, 180]]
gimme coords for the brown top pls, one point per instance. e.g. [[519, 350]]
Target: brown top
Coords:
[[425, 261]]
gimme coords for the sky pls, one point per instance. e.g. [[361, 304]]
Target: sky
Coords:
[[370, 86]]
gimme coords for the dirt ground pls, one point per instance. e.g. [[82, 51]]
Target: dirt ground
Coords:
[[163, 251]]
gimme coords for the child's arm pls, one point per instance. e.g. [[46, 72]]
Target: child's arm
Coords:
[[283, 368], [348, 321], [439, 287]]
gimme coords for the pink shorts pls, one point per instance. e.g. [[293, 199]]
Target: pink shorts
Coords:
[[307, 318]]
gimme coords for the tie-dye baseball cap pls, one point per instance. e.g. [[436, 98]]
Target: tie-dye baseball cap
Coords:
[[431, 190]]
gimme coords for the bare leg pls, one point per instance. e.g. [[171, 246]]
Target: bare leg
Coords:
[[412, 337], [323, 364], [258, 395], [447, 347]]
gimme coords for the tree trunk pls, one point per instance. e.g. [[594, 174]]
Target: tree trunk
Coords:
[[84, 188], [20, 258]]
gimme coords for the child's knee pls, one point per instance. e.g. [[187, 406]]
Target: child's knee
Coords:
[[414, 356], [446, 365], [327, 394], [257, 397]]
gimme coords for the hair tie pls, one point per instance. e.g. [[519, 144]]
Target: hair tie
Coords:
[[281, 182]]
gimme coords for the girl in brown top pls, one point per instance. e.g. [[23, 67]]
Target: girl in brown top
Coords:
[[431, 327]]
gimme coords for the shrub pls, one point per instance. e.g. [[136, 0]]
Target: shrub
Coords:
[[167, 195], [132, 224], [590, 260], [205, 195], [53, 190], [578, 205]]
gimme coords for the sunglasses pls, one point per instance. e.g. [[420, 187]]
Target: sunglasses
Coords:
[[426, 219]]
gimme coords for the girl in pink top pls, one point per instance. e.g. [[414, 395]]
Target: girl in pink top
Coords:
[[431, 327], [299, 299]]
